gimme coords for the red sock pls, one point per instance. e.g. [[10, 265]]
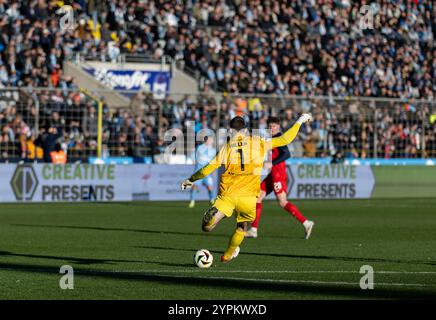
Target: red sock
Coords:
[[292, 209], [255, 223]]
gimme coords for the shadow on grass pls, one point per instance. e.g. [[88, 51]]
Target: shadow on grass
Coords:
[[282, 255], [321, 290], [172, 264], [71, 259], [122, 230]]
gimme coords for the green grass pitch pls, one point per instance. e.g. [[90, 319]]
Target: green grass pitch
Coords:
[[145, 250]]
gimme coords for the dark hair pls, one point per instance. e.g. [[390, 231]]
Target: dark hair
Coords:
[[273, 120], [237, 123], [58, 147]]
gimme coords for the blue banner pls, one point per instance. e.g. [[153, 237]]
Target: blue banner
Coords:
[[292, 161], [157, 82], [119, 160], [367, 162]]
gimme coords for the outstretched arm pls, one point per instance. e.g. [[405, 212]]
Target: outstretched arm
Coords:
[[206, 170], [291, 133], [214, 164], [284, 154]]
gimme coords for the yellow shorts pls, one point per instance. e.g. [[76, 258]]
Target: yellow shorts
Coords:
[[245, 207]]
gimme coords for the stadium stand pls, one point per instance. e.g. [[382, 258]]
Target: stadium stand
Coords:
[[304, 48], [295, 47], [357, 128]]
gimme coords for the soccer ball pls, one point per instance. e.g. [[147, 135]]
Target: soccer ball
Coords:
[[203, 258]]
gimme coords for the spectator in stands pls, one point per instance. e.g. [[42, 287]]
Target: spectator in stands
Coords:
[[306, 48], [297, 47], [33, 152], [337, 158], [58, 156], [149, 140], [47, 140], [90, 123]]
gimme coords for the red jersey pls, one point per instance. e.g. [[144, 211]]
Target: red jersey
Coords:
[[277, 179], [279, 156]]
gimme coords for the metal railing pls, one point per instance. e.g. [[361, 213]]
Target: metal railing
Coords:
[[120, 59]]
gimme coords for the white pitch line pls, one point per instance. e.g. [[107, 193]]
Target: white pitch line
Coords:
[[406, 272], [275, 271], [311, 281], [321, 282]]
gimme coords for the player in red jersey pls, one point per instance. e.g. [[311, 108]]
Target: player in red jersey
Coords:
[[277, 181]]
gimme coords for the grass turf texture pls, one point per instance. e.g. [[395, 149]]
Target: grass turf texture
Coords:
[[145, 251]]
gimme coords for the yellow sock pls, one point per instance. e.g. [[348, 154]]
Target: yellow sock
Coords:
[[235, 241]]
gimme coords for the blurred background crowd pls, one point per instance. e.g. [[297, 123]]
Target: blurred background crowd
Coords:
[[353, 128], [306, 48]]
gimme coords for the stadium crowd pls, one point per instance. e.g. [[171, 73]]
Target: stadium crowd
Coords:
[[306, 48], [295, 47], [351, 128]]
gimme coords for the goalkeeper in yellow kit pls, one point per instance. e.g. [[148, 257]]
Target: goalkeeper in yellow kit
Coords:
[[242, 158]]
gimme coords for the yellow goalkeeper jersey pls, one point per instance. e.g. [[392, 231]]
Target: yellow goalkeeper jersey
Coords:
[[242, 158]]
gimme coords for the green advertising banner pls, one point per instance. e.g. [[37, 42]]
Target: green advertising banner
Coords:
[[404, 182]]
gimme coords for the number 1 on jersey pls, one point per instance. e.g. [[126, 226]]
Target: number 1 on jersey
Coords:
[[242, 159]]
